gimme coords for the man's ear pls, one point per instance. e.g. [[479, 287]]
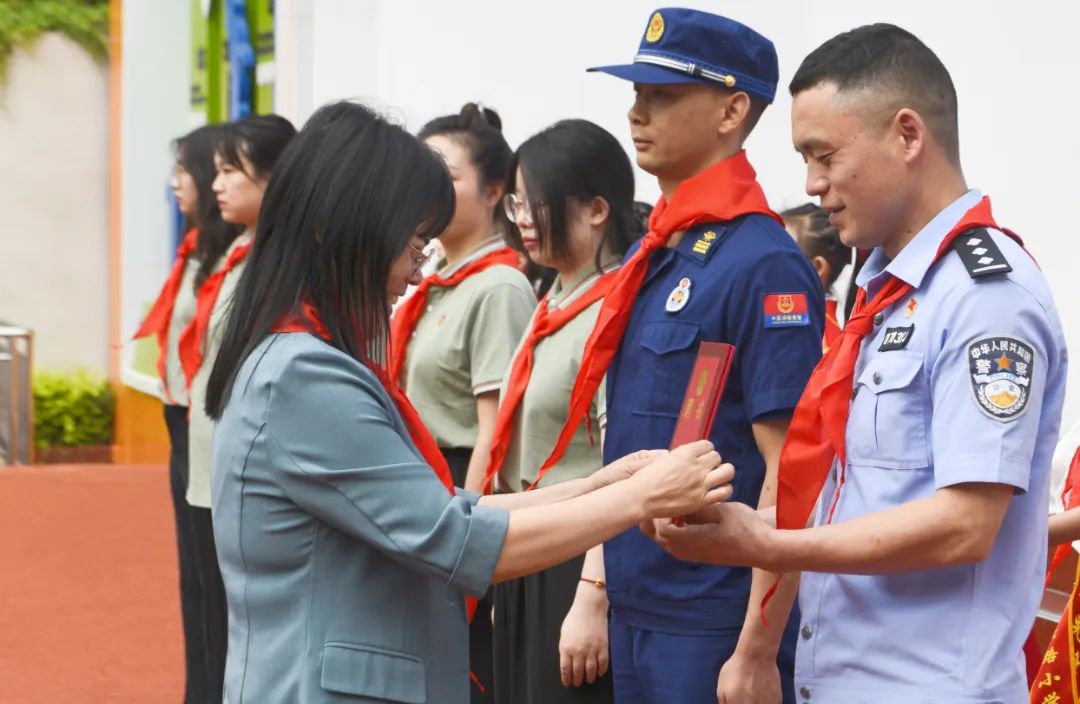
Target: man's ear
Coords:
[[909, 127], [735, 112]]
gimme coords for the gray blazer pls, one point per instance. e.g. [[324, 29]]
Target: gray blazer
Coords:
[[344, 557]]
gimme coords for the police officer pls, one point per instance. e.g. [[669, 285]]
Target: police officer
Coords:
[[928, 430], [717, 265]]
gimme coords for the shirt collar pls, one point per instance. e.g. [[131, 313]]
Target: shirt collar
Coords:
[[486, 247], [563, 294], [915, 259]]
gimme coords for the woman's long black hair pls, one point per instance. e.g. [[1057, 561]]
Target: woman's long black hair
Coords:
[[195, 154], [575, 160], [348, 194]]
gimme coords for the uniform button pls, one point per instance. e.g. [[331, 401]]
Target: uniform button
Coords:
[[877, 377], [878, 318], [807, 632], [430, 308], [804, 692]]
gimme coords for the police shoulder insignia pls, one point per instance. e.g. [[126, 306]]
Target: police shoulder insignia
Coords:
[[980, 254], [1000, 369], [655, 29], [785, 310]]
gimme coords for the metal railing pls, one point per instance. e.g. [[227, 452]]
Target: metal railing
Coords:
[[16, 395]]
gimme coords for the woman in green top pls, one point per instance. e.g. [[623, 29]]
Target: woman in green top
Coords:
[[572, 206], [452, 340]]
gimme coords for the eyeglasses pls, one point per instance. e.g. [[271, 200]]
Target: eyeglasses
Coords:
[[421, 257], [517, 209]]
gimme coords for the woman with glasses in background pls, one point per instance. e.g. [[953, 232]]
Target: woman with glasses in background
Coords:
[[572, 205]]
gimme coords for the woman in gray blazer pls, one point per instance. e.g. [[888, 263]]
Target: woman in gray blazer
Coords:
[[346, 552]]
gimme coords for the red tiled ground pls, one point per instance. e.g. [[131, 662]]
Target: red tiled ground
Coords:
[[89, 606]]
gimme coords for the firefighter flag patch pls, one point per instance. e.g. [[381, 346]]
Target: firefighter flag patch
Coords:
[[1000, 370], [785, 310]]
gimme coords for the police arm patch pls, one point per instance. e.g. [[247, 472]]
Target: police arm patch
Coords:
[[785, 310], [1000, 369]]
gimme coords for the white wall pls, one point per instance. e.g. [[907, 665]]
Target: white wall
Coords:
[[1013, 67], [54, 198], [155, 76]]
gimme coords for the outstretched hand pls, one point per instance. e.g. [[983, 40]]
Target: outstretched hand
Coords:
[[728, 534], [684, 480]]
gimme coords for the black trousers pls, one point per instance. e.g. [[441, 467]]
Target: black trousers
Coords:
[[529, 612], [480, 654], [202, 593]]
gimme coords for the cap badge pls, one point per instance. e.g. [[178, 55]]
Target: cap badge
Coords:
[[656, 28]]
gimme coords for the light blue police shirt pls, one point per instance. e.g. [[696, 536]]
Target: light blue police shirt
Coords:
[[962, 381]]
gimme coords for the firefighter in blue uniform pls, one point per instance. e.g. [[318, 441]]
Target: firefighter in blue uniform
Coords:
[[701, 83]]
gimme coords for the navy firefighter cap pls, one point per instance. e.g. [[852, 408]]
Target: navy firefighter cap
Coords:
[[690, 46]]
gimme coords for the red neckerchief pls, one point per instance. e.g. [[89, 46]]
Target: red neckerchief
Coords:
[[191, 339], [816, 434], [409, 313], [722, 192], [309, 321], [832, 326], [545, 322], [160, 316]]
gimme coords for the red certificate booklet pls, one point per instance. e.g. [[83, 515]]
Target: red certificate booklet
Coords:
[[703, 392]]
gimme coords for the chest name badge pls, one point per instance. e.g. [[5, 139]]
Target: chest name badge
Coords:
[[679, 297], [896, 338], [785, 310], [1000, 369]]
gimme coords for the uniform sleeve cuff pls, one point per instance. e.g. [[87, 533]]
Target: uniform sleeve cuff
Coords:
[[487, 387], [995, 469], [772, 403], [480, 553]]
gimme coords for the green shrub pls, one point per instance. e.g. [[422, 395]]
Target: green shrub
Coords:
[[86, 22], [72, 410]]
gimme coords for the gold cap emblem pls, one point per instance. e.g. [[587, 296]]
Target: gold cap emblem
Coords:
[[656, 28]]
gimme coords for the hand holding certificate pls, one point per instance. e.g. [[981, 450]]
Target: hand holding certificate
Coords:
[[703, 393]]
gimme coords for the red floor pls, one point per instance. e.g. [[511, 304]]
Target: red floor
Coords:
[[89, 607]]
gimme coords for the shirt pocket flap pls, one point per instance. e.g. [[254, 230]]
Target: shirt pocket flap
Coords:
[[666, 336], [367, 671], [891, 371]]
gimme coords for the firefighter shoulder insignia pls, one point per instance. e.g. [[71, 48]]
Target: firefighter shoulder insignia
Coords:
[[1000, 368], [980, 254]]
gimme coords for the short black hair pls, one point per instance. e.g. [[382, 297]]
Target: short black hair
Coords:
[[260, 139], [575, 161], [893, 63]]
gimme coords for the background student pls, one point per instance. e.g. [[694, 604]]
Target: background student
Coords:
[[571, 204], [452, 339], [207, 237], [244, 157]]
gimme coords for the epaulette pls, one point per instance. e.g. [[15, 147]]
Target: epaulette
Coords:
[[980, 254], [700, 242]]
